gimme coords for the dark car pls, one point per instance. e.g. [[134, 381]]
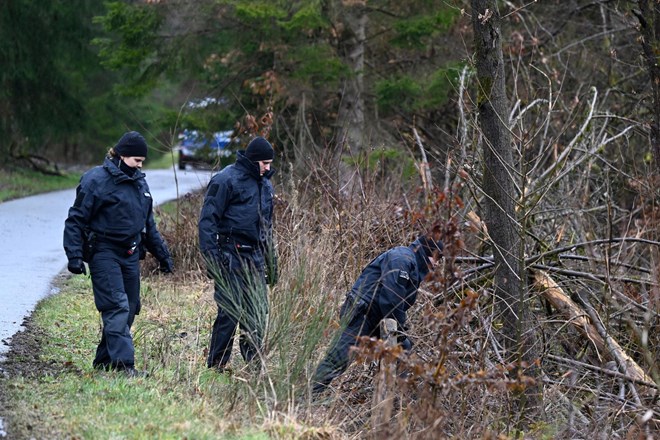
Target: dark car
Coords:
[[196, 149]]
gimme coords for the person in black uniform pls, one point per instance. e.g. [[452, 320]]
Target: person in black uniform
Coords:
[[236, 240], [108, 226], [386, 288]]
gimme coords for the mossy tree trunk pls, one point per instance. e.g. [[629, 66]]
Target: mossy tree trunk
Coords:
[[499, 185], [350, 115]]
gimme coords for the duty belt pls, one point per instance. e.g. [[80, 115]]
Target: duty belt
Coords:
[[240, 247], [130, 246]]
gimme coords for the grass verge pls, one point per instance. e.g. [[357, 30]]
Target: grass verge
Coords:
[[22, 182], [51, 390], [18, 183]]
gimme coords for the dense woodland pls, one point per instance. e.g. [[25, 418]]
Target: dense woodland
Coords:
[[524, 134]]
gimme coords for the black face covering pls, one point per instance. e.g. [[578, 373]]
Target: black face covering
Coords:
[[129, 171]]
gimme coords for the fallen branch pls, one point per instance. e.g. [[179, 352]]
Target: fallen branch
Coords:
[[37, 163], [605, 371], [580, 320]]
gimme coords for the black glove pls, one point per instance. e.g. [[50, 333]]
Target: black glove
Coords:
[[405, 343], [402, 338], [77, 266], [167, 265]]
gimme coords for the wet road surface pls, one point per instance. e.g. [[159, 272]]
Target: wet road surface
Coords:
[[31, 253]]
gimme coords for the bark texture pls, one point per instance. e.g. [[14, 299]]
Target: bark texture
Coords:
[[499, 187]]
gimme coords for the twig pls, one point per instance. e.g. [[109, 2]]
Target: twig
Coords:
[[590, 243], [590, 276], [613, 346], [425, 170], [593, 260], [604, 371]]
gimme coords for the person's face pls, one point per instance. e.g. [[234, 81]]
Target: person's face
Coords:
[[264, 166], [133, 161]]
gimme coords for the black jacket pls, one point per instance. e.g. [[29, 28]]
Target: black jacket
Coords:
[[389, 283], [238, 206], [116, 207]]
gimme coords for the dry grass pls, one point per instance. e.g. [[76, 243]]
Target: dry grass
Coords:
[[456, 385]]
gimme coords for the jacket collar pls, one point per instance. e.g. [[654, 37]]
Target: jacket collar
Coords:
[[250, 167], [118, 175]]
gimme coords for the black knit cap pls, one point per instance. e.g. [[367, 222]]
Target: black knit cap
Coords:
[[131, 144], [429, 246], [259, 149]]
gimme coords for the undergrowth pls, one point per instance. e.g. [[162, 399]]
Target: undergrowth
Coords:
[[454, 383]]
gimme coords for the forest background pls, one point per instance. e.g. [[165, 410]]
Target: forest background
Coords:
[[524, 134]]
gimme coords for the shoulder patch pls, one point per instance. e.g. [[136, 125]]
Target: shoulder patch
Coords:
[[213, 190], [79, 199], [404, 275]]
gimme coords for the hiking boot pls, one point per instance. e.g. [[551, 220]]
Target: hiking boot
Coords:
[[132, 373], [102, 366], [221, 369], [318, 388]]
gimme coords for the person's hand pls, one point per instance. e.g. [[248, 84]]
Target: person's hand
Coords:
[[402, 338], [167, 265], [77, 266], [405, 343]]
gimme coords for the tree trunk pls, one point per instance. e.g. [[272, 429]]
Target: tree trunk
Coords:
[[350, 118], [499, 187]]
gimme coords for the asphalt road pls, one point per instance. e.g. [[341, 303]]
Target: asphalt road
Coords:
[[31, 238]]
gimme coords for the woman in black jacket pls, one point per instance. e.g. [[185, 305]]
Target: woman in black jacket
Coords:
[[109, 223]]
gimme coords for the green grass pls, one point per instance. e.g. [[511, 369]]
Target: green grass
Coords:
[[165, 160], [18, 182], [180, 399], [22, 182]]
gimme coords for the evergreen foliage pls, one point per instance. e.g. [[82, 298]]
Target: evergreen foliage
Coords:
[[37, 98], [56, 100], [257, 56]]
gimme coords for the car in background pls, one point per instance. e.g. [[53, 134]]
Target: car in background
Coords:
[[197, 149]]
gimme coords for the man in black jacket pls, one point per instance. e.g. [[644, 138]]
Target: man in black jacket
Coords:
[[386, 288], [109, 222], [236, 240]]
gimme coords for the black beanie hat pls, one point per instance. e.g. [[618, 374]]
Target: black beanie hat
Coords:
[[131, 144], [259, 149], [429, 246]]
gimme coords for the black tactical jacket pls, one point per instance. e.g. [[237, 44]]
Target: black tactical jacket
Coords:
[[117, 208], [238, 208], [389, 283]]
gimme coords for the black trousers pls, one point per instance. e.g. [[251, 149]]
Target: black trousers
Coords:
[[241, 296], [116, 285], [359, 319]]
